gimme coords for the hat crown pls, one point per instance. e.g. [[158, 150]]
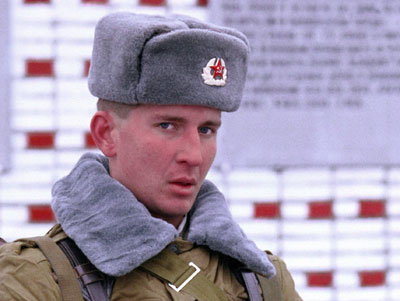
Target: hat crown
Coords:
[[160, 60]]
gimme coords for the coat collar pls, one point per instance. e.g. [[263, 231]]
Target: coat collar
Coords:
[[117, 233]]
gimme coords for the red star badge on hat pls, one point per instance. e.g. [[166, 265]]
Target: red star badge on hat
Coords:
[[218, 69], [215, 73]]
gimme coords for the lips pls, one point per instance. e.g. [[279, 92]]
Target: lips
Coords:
[[184, 181], [183, 186]]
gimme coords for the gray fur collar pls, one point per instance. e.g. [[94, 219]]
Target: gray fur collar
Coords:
[[117, 233]]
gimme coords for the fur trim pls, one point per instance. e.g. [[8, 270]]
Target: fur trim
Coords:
[[117, 233], [211, 224]]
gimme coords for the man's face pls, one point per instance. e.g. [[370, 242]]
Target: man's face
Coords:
[[163, 154]]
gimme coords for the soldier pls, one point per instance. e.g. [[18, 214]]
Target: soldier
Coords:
[[143, 214]]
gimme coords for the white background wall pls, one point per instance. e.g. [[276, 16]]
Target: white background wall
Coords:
[[338, 228]]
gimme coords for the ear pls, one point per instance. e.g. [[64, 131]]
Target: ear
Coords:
[[102, 127]]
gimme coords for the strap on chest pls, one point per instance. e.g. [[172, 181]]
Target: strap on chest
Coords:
[[66, 277], [92, 281], [183, 276]]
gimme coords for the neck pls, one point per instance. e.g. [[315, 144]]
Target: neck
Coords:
[[174, 220]]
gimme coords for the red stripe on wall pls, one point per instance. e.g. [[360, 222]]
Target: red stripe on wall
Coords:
[[202, 2], [36, 1], [40, 214], [152, 2], [95, 1], [322, 210], [267, 210], [86, 68], [40, 140], [372, 208], [35, 67], [319, 279], [372, 278]]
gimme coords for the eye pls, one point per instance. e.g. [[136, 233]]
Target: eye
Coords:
[[206, 130], [165, 125]]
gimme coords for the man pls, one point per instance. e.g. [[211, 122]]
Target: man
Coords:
[[145, 207]]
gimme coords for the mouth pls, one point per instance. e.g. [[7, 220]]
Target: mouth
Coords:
[[183, 186], [184, 182]]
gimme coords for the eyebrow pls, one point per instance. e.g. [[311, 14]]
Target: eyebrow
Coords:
[[182, 120], [169, 118], [213, 123]]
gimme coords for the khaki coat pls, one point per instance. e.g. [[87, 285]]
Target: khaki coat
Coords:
[[25, 274]]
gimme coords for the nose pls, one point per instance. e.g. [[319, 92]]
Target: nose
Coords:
[[190, 149]]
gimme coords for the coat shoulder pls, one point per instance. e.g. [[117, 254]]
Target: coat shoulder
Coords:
[[286, 282], [25, 273]]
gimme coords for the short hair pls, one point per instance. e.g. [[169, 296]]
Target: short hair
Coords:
[[121, 110]]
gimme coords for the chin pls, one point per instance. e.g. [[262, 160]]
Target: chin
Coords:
[[182, 209]]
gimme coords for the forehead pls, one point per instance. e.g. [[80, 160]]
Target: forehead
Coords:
[[185, 112]]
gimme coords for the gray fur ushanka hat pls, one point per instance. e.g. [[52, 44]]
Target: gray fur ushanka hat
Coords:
[[141, 59]]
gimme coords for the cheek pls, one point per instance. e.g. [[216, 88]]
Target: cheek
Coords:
[[209, 153], [150, 154], [130, 155]]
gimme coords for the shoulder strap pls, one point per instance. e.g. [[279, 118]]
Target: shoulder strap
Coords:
[[183, 276], [271, 290], [70, 290], [271, 287], [251, 284], [95, 284]]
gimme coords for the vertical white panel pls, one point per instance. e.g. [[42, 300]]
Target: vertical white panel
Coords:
[[4, 86]]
